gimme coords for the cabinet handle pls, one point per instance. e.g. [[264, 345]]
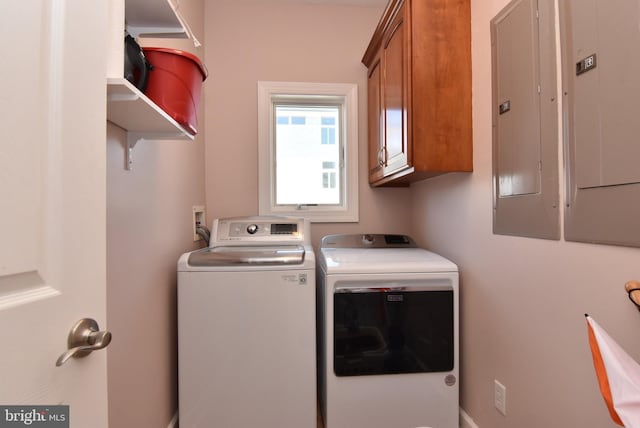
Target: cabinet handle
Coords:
[[381, 156]]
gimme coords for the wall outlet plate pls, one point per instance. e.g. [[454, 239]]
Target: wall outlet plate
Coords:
[[198, 219], [500, 397]]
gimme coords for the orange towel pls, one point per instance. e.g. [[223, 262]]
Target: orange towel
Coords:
[[618, 376]]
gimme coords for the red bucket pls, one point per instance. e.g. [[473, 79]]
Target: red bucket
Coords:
[[175, 84]]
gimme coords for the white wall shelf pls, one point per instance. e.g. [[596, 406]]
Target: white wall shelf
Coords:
[[132, 110], [143, 119], [127, 107], [153, 18]]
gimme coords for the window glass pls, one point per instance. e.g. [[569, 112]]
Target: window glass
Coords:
[[300, 178]]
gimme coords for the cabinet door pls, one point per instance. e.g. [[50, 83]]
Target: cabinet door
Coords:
[[395, 62], [376, 120]]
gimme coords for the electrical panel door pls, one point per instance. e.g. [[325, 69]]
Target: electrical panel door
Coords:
[[606, 92], [601, 79], [525, 136]]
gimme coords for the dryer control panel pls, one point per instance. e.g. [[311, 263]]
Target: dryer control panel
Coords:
[[367, 241]]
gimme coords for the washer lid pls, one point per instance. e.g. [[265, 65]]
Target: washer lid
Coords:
[[248, 255]]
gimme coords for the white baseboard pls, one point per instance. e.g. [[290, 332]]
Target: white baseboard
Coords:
[[174, 421], [466, 421]]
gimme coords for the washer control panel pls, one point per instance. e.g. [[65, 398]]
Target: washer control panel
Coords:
[[262, 229], [258, 230]]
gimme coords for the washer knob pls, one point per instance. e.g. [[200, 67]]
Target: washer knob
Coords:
[[252, 229]]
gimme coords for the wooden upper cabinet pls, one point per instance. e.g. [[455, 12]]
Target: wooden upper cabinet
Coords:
[[375, 120], [419, 69], [395, 95]]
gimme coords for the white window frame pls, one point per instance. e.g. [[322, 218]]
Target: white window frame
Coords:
[[342, 93]]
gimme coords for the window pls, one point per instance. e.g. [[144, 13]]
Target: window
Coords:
[[308, 141]]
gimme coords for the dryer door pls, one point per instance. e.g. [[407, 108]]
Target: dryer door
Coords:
[[393, 328]]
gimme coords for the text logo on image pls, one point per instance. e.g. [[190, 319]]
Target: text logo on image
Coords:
[[34, 416]]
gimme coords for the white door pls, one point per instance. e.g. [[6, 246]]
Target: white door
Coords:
[[52, 199]]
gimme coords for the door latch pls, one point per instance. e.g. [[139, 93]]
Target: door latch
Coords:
[[84, 338]]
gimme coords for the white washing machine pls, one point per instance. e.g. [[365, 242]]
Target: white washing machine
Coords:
[[246, 327], [388, 334]]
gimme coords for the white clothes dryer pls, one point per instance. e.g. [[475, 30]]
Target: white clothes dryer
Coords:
[[246, 327], [388, 334]]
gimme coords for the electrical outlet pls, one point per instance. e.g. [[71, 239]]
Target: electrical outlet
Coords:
[[199, 219], [500, 397]]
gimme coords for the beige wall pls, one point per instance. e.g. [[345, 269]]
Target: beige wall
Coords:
[[252, 40], [148, 227], [522, 300]]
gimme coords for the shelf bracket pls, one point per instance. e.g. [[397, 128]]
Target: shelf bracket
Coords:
[[134, 138]]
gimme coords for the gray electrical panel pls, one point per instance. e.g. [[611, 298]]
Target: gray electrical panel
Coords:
[[601, 80], [525, 124]]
